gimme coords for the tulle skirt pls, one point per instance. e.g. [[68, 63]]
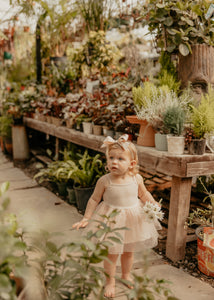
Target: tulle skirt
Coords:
[[140, 234]]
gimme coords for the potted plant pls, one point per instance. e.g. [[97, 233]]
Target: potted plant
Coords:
[[179, 25], [55, 174], [173, 122], [202, 122], [204, 220], [6, 123], [141, 97], [13, 263], [183, 28], [85, 173]]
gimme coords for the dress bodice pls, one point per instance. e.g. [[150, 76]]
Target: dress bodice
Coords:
[[121, 195]]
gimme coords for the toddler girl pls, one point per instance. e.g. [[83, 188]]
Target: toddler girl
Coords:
[[123, 189]]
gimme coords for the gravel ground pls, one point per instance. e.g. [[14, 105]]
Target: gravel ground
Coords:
[[188, 264]]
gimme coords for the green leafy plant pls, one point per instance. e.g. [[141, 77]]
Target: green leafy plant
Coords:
[[177, 25], [143, 94], [96, 53], [12, 254], [86, 170], [6, 122], [156, 102], [71, 270], [167, 79], [202, 115], [173, 120], [203, 216]]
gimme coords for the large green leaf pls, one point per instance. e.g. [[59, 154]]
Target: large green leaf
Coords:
[[184, 50]]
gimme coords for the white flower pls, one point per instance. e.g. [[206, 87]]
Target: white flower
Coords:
[[152, 212]]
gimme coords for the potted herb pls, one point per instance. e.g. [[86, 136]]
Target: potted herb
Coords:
[[142, 96], [173, 122], [202, 122]]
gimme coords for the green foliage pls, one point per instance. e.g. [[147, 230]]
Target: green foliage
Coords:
[[21, 70], [53, 172], [167, 64], [71, 270], [95, 53], [62, 77], [83, 170], [87, 170], [12, 257], [179, 24], [173, 120], [6, 122], [96, 14], [167, 79], [202, 116], [203, 216], [141, 94]]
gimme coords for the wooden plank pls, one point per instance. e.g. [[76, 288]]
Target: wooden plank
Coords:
[[178, 213], [40, 126], [87, 140], [200, 168]]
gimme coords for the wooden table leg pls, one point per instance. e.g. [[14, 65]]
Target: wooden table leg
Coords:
[[178, 213], [57, 149]]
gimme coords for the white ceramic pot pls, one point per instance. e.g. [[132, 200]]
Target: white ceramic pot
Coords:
[[175, 144], [87, 127], [161, 141]]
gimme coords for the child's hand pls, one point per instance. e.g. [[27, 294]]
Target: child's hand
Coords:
[[83, 223]]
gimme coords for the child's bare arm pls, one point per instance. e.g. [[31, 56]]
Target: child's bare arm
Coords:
[[92, 203], [143, 194]]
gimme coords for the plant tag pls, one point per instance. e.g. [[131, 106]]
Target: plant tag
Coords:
[[209, 237]]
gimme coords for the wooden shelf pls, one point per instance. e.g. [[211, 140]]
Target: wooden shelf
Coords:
[[149, 158]]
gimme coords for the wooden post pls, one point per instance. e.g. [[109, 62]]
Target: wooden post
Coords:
[[178, 213], [57, 149]]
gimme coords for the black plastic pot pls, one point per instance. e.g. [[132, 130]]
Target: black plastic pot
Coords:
[[197, 147], [82, 197]]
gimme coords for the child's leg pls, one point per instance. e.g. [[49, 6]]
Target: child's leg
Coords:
[[110, 269], [126, 264]]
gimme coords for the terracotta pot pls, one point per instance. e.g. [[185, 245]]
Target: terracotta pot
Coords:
[[205, 254], [146, 135], [97, 129]]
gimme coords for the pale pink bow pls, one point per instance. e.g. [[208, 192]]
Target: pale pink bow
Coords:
[[122, 141]]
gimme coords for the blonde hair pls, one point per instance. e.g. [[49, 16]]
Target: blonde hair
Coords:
[[133, 153]]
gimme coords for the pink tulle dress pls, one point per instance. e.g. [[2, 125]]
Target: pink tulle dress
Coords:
[[124, 197]]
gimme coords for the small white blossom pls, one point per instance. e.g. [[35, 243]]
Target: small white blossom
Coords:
[[152, 212]]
